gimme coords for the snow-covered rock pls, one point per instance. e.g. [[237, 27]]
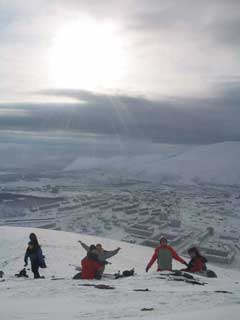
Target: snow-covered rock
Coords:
[[43, 299]]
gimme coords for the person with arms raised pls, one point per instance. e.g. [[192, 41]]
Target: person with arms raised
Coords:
[[103, 254], [92, 268]]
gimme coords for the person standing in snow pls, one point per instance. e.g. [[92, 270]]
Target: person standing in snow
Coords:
[[103, 254], [197, 262], [34, 252], [164, 254]]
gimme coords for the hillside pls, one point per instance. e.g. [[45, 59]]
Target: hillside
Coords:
[[216, 163], [64, 299]]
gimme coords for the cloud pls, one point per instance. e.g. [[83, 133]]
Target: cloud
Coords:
[[173, 48], [177, 120]]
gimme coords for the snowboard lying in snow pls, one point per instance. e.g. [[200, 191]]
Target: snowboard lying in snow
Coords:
[[97, 286]]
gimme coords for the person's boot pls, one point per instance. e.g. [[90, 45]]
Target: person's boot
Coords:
[[37, 275]]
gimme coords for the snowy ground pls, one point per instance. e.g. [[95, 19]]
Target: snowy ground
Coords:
[[66, 300]]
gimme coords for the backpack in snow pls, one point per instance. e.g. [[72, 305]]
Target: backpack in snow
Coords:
[[77, 276], [211, 274], [22, 274], [126, 273]]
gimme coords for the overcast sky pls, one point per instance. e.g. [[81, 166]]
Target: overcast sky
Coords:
[[163, 71]]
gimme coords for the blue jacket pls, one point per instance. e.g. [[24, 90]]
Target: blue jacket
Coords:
[[36, 256]]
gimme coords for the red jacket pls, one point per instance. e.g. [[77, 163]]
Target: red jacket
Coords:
[[197, 264], [172, 251], [89, 268]]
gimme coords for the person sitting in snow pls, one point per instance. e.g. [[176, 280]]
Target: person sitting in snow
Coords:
[[103, 254], [197, 262], [164, 254], [34, 252], [92, 268]]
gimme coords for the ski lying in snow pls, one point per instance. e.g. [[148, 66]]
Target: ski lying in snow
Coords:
[[200, 283], [142, 290], [181, 277], [55, 278], [147, 309], [97, 286]]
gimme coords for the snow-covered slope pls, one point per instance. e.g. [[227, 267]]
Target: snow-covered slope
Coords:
[[216, 163], [65, 299]]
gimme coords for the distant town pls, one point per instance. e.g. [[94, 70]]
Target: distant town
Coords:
[[134, 211]]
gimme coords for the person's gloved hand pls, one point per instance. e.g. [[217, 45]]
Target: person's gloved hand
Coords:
[[147, 268]]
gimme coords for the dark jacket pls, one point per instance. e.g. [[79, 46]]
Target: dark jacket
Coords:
[[34, 253]]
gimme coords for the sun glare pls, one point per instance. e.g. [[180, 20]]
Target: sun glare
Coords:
[[88, 55]]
